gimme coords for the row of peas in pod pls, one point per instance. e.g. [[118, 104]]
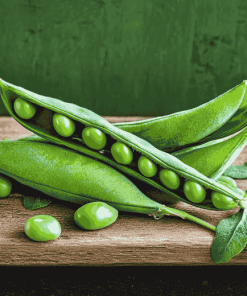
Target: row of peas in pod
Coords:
[[97, 140]]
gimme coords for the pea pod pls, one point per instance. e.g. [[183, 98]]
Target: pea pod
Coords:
[[67, 175], [213, 158], [42, 124], [218, 118]]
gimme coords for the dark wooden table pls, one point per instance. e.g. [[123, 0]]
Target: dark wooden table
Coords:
[[134, 239]]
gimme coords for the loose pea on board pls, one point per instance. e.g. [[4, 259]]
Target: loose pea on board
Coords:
[[95, 215], [42, 228], [41, 124]]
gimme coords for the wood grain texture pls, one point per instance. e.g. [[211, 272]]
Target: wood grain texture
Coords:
[[134, 239]]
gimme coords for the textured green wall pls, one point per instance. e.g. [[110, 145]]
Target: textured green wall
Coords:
[[125, 57]]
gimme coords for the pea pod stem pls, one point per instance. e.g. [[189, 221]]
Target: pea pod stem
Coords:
[[175, 212]]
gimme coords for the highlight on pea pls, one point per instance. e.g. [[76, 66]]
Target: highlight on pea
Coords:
[[95, 215]]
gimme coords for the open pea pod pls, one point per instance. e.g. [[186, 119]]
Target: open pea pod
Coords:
[[214, 157], [218, 118], [144, 162]]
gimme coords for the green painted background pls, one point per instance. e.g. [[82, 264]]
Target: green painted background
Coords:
[[124, 57]]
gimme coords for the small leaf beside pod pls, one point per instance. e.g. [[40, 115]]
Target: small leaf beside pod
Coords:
[[231, 237], [237, 171]]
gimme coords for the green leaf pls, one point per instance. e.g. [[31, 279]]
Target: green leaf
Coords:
[[34, 203], [237, 171], [231, 237]]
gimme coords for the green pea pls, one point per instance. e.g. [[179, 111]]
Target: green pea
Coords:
[[24, 109], [121, 153], [5, 187], [194, 192], [94, 138], [95, 215], [42, 228], [63, 125], [223, 202], [169, 179], [147, 167]]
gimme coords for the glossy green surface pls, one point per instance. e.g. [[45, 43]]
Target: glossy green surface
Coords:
[[63, 125], [216, 119], [24, 109], [5, 186], [147, 167], [42, 228], [169, 179], [121, 153], [69, 175], [214, 157], [141, 148], [223, 202], [94, 138], [95, 215], [194, 192]]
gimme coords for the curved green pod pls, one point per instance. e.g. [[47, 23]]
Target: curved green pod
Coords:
[[41, 124], [213, 158], [218, 118], [64, 174], [67, 175]]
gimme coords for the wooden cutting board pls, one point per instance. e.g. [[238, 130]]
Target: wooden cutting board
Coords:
[[134, 239]]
